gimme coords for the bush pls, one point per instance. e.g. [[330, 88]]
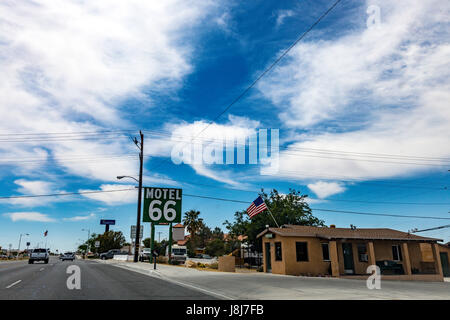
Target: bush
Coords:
[[201, 265], [214, 265], [260, 269], [175, 262]]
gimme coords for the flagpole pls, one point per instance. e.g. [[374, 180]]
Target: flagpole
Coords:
[[271, 214]]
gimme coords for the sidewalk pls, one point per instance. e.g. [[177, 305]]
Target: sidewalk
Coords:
[[259, 285]]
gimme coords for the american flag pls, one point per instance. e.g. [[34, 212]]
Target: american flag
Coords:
[[256, 207]]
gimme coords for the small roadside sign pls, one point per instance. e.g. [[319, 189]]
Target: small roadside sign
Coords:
[[162, 205], [133, 232], [97, 244], [108, 222]]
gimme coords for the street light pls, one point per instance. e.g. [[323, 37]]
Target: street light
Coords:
[[87, 242], [121, 177], [20, 239]]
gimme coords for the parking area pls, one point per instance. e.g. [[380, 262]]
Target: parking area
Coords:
[[276, 287]]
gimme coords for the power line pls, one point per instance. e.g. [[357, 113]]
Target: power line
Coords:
[[224, 199], [62, 194], [430, 229], [271, 66]]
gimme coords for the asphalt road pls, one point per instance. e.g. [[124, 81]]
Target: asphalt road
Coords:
[[20, 280]]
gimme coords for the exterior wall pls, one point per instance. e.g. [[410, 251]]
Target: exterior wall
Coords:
[[316, 266], [289, 264]]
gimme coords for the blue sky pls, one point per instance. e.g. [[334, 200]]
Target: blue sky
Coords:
[[361, 105]]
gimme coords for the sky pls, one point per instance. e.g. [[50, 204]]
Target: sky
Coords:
[[360, 106]]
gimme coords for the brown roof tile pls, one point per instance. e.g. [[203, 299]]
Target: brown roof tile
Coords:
[[344, 233]]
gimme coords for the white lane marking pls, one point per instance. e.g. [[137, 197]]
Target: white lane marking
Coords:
[[41, 269], [13, 284]]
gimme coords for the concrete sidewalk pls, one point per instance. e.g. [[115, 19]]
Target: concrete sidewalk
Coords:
[[280, 287]]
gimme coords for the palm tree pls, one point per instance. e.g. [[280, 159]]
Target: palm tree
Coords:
[[192, 222]]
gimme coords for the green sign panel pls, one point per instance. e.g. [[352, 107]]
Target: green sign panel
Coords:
[[162, 205]]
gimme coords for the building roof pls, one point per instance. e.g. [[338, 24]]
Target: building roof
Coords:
[[178, 225], [345, 233]]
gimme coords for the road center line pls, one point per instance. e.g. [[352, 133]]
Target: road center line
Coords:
[[41, 269], [13, 284]]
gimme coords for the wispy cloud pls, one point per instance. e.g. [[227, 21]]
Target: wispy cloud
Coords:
[[29, 216], [80, 218], [380, 90], [325, 189]]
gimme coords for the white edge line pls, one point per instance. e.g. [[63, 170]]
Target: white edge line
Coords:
[[13, 284], [173, 281]]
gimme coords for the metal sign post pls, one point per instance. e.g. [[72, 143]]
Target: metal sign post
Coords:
[[107, 223]]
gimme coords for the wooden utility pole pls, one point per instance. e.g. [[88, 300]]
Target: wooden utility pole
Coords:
[[138, 223]]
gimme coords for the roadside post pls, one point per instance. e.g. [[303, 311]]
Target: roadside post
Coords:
[[170, 243], [107, 223], [152, 241], [162, 206], [154, 255]]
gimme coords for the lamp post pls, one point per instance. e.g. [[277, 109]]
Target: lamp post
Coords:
[[137, 241], [20, 239]]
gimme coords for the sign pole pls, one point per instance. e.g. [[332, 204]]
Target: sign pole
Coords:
[[170, 243], [152, 243]]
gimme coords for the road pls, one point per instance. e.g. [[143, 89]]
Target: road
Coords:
[[20, 280]]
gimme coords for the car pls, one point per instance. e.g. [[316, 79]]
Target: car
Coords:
[[145, 254], [67, 256], [39, 255], [110, 254]]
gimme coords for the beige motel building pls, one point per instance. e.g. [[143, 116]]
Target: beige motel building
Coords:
[[347, 252]]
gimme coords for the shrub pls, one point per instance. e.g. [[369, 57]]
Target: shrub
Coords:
[[201, 265], [260, 269], [214, 265], [175, 262]]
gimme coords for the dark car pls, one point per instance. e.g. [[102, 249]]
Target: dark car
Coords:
[[67, 256], [110, 254]]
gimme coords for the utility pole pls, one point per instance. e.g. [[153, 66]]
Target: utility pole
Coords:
[[138, 223], [159, 236]]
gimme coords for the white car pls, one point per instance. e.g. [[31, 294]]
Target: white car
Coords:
[[39, 255]]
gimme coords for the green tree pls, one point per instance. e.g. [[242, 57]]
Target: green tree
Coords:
[[110, 240], [204, 235], [286, 209], [192, 222], [217, 233], [215, 248], [147, 242]]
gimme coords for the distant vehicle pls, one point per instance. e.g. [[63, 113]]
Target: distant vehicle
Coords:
[[110, 254], [179, 253], [67, 256], [145, 254], [39, 255]]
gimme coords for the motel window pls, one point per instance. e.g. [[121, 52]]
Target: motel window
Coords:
[[362, 252], [278, 255], [325, 252], [396, 253], [302, 251]]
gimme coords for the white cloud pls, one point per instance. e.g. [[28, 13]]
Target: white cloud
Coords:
[[381, 90], [29, 216], [325, 189], [67, 66], [282, 15], [113, 198], [80, 218], [36, 187]]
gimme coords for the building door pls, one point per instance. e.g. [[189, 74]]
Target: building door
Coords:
[[445, 264], [349, 267], [268, 258]]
